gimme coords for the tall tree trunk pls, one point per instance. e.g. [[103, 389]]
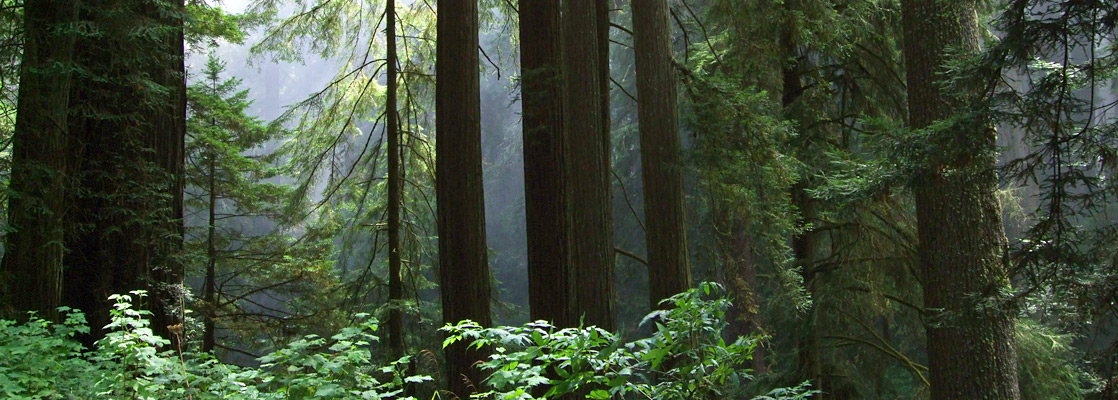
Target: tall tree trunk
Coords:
[[542, 87], [463, 259], [971, 350], [127, 147], [395, 186], [36, 209], [669, 271], [168, 139], [209, 285], [602, 9], [588, 167]]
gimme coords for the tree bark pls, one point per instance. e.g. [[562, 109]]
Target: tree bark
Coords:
[[34, 251], [542, 87], [127, 150], [463, 259], [669, 270], [971, 350], [209, 284], [587, 167], [168, 139], [395, 186]]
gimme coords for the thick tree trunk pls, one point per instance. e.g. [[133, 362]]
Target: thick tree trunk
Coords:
[[669, 271], [971, 350], [463, 259], [36, 208], [395, 187], [168, 140], [126, 229], [550, 293], [588, 167]]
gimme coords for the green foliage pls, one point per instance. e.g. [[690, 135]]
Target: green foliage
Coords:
[[231, 176], [685, 357], [44, 361], [1045, 366], [39, 357]]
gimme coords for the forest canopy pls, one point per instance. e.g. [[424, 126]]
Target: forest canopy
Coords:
[[630, 199]]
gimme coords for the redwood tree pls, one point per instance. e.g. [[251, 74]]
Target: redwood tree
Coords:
[[550, 293], [36, 210], [588, 166], [669, 270], [127, 127], [463, 259]]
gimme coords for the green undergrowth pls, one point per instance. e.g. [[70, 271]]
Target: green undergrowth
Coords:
[[686, 356], [44, 360]]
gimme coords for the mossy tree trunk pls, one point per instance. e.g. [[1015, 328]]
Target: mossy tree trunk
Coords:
[[971, 350]]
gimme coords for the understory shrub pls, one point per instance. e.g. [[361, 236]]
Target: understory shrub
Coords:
[[687, 356]]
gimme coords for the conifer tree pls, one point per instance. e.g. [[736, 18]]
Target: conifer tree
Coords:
[[545, 184], [463, 256], [127, 126], [588, 166], [395, 187], [962, 244], [33, 252], [661, 168], [226, 181]]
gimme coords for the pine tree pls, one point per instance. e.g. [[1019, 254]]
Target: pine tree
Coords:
[[226, 181]]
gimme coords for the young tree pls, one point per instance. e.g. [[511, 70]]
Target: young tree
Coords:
[[463, 259], [962, 245], [226, 182], [546, 210], [590, 211], [36, 211], [661, 170]]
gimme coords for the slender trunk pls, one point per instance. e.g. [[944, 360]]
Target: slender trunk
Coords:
[[588, 169], [971, 349], [395, 186], [550, 293], [209, 286], [36, 209], [669, 271], [463, 259]]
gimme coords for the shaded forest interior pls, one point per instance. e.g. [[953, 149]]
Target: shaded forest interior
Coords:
[[632, 199]]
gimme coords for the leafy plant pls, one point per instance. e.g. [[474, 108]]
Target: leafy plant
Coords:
[[45, 361], [685, 357]]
